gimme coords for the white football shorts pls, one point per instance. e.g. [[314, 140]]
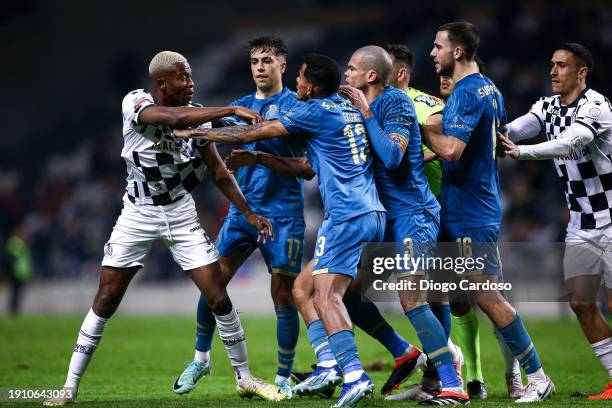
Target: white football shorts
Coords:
[[176, 224], [589, 252]]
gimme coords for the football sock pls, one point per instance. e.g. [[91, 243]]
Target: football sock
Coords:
[[443, 314], [202, 356], [344, 347], [432, 337], [466, 333], [87, 342], [512, 365], [205, 328], [287, 332], [232, 335], [320, 345], [603, 351], [367, 317], [519, 342]]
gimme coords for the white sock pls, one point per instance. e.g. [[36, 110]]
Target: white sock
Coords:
[[87, 342], [512, 364], [232, 335], [453, 350], [279, 378], [202, 356], [327, 363], [603, 351], [537, 376], [352, 376]]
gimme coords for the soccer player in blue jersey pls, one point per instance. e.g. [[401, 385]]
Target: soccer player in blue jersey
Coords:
[[338, 151], [281, 199], [471, 201], [412, 209]]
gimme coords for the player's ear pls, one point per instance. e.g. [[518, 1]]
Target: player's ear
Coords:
[[283, 66], [161, 83], [458, 53], [402, 73], [582, 72], [372, 76]]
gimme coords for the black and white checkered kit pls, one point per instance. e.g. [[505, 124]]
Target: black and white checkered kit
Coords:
[[587, 174], [161, 169]]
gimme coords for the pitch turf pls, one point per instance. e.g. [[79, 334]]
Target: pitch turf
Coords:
[[140, 357]]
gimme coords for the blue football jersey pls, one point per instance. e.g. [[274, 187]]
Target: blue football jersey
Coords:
[[403, 190], [470, 186], [267, 192], [339, 153]]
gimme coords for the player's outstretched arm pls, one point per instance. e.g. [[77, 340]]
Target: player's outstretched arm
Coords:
[[524, 127], [236, 134], [389, 145], [448, 148], [572, 140], [185, 116], [226, 183], [287, 166]]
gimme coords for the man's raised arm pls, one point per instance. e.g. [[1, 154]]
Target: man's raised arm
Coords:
[[236, 134], [185, 116]]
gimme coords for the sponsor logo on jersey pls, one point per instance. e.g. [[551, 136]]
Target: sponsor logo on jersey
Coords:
[[108, 249], [428, 100]]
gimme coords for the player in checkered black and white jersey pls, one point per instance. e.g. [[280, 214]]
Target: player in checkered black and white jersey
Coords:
[[577, 122], [157, 205]]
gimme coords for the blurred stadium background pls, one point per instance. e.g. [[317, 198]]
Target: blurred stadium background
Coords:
[[68, 64]]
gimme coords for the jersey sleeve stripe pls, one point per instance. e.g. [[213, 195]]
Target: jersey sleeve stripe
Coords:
[[591, 128], [542, 128]]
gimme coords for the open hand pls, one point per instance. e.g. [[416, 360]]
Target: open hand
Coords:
[[247, 114], [264, 228], [508, 148], [356, 97]]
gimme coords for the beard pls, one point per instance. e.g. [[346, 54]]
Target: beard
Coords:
[[447, 69]]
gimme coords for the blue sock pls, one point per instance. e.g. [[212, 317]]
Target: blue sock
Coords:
[[443, 314], [318, 340], [206, 326], [366, 316], [432, 337], [518, 340], [345, 349], [287, 332]]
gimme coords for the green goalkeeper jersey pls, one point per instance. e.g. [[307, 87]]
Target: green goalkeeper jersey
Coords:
[[425, 106]]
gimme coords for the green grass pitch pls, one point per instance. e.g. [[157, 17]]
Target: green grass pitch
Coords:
[[140, 357]]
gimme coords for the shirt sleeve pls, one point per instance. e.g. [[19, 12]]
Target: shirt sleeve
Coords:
[[461, 115], [303, 117], [133, 104], [425, 106], [572, 140], [595, 116], [537, 109]]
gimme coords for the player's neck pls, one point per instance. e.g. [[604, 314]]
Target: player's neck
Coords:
[[372, 92], [158, 97], [266, 93], [569, 98], [463, 69]]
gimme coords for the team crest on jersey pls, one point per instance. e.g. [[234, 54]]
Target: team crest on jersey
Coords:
[[594, 112], [272, 110], [427, 100]]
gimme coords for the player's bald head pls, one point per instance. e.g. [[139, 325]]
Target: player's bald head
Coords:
[[165, 62], [377, 59]]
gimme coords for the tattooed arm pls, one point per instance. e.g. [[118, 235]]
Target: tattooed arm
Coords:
[[236, 134]]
